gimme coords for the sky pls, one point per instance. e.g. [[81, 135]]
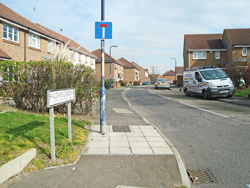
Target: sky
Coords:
[[148, 32]]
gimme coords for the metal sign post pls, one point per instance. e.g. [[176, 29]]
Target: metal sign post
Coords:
[[103, 30], [54, 98]]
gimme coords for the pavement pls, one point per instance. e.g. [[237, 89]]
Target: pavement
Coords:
[[131, 153]]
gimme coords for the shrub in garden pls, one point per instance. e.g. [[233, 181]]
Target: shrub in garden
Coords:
[[27, 84]]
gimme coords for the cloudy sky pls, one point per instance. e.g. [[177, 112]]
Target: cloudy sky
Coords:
[[149, 32]]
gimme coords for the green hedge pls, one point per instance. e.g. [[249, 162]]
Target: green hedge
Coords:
[[27, 84]]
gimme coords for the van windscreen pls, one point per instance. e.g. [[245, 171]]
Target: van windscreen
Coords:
[[213, 74]]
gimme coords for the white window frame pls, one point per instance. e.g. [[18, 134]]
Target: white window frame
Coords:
[[50, 44], [217, 54], [11, 32], [34, 41], [199, 55], [244, 53], [79, 57]]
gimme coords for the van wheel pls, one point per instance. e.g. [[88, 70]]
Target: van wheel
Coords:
[[204, 95], [186, 92]]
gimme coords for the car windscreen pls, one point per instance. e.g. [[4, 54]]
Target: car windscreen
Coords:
[[213, 74], [162, 80]]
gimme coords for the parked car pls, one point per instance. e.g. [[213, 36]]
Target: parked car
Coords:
[[146, 83], [162, 83]]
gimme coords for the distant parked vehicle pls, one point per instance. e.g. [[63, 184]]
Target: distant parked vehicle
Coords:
[[153, 82], [146, 83], [162, 83]]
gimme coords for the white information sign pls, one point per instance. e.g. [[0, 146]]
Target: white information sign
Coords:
[[56, 97]]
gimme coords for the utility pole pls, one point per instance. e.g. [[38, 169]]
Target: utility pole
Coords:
[[153, 67]]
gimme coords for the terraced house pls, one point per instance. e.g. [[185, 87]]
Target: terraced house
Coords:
[[222, 50], [131, 72], [23, 40], [115, 69]]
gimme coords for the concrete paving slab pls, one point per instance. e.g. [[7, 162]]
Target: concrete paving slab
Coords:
[[158, 144], [162, 150], [142, 151], [154, 139], [137, 139], [119, 145], [139, 145], [135, 134], [118, 138], [141, 140], [122, 110], [98, 151], [120, 151]]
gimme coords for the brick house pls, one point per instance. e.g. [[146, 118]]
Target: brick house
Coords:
[[23, 40], [237, 42], [221, 50], [143, 74], [131, 72], [170, 76], [116, 68], [204, 49]]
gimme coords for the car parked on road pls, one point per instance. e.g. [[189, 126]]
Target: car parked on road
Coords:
[[146, 83], [162, 83]]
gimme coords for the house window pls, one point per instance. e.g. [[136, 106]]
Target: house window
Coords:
[[244, 51], [34, 41], [199, 55], [217, 55], [10, 33], [79, 57], [50, 43]]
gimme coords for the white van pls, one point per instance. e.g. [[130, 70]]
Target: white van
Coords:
[[208, 82]]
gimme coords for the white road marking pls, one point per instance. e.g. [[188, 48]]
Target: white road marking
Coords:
[[191, 105]]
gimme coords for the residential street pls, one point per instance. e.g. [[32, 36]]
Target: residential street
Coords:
[[208, 134]]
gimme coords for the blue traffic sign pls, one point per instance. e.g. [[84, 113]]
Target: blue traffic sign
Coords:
[[103, 30]]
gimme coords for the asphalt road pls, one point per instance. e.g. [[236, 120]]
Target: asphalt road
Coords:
[[208, 134]]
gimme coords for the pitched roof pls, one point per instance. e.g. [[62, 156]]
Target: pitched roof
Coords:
[[10, 15], [98, 54], [138, 66], [238, 36], [72, 43], [127, 64], [169, 73], [203, 41], [179, 69], [4, 55]]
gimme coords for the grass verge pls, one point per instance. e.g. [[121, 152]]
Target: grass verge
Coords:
[[242, 93], [20, 131]]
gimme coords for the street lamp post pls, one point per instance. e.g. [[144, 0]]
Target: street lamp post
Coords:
[[175, 71], [110, 62]]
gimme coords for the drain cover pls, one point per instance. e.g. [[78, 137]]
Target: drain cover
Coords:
[[121, 129], [201, 176]]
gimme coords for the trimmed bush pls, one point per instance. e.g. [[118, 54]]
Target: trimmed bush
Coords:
[[27, 84]]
